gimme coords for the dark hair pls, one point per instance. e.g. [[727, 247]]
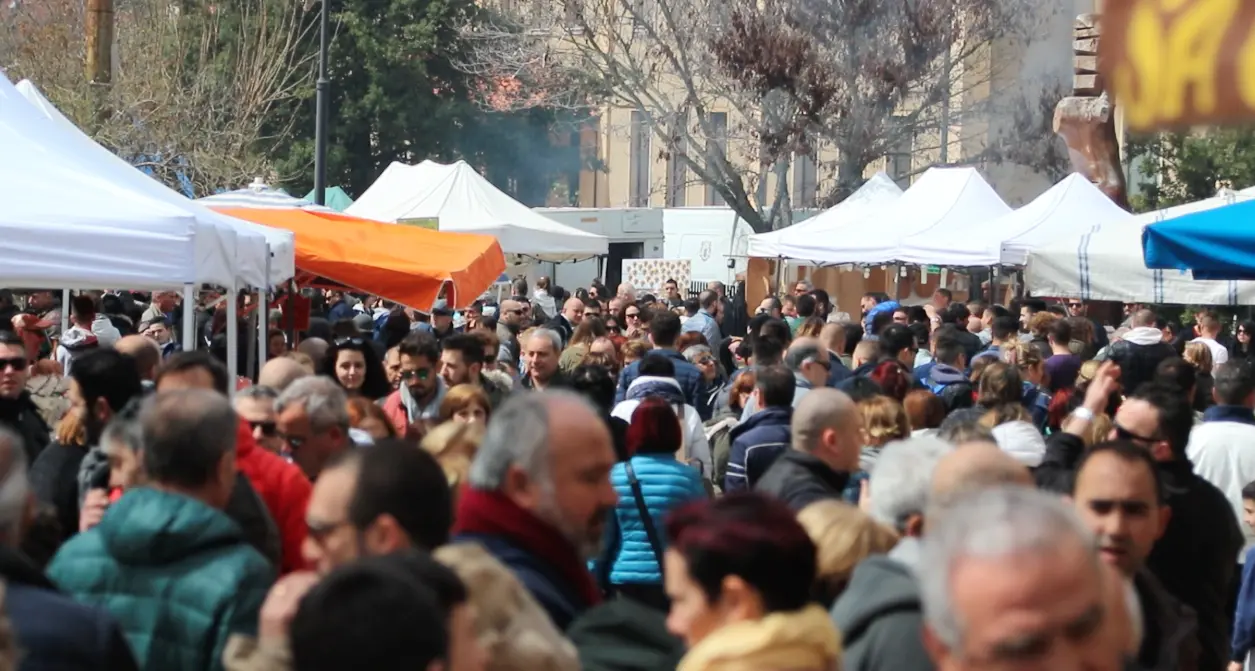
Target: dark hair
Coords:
[[1234, 382], [444, 583], [859, 388], [420, 344], [1000, 311], [654, 429], [595, 383], [472, 348], [751, 536], [395, 328], [338, 624], [1176, 416], [1177, 373], [183, 362], [775, 385], [916, 314], [1248, 491], [83, 305], [948, 349], [853, 336], [772, 339], [1061, 332], [10, 338], [394, 478], [892, 380], [894, 339], [1004, 327], [691, 306], [806, 306], [1057, 310], [1034, 305], [881, 321], [664, 328], [957, 314], [1127, 452], [925, 409], [186, 433], [656, 365], [107, 374], [375, 385], [822, 299], [942, 291]]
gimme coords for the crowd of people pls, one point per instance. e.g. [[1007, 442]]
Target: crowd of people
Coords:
[[626, 480]]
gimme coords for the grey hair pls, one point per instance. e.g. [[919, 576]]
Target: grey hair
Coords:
[[991, 523], [958, 433], [518, 435], [902, 480], [800, 353], [324, 401], [259, 392], [124, 431], [186, 433], [692, 352], [554, 338], [14, 486]]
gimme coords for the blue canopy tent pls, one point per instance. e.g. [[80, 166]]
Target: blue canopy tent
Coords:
[[1216, 244]]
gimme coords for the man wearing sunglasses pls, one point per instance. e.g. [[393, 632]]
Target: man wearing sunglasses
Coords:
[[1197, 557], [17, 411], [422, 389]]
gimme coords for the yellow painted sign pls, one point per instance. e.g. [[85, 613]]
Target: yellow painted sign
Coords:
[[1173, 63]]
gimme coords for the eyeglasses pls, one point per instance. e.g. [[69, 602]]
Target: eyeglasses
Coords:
[[268, 429], [17, 363], [421, 374], [1124, 434], [632, 315], [705, 361], [356, 342]]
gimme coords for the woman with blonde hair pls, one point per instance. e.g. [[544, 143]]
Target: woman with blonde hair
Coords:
[[843, 536], [589, 330], [454, 445], [1034, 379], [370, 417], [513, 630], [633, 350], [811, 328], [1198, 355], [465, 403]]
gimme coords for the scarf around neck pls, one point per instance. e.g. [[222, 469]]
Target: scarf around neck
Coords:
[[494, 514], [804, 639]]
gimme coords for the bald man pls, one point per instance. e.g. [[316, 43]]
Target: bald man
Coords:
[[316, 348], [833, 338], [145, 351], [826, 442], [973, 466], [570, 317], [279, 373]]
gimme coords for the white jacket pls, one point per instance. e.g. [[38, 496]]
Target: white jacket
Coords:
[[1223, 453], [696, 447]]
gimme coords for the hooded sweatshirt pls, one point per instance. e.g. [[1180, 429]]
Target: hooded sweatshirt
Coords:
[[880, 618], [1138, 354], [1022, 441], [696, 447], [77, 341]]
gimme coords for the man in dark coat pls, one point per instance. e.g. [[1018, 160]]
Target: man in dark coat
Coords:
[[759, 440], [826, 441]]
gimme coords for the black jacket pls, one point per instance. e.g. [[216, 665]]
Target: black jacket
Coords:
[[799, 479], [54, 482], [55, 632], [563, 327], [1058, 467], [1197, 556], [1138, 362], [21, 416], [1170, 638]]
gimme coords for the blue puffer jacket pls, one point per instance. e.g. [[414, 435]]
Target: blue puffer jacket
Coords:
[[666, 485], [887, 306]]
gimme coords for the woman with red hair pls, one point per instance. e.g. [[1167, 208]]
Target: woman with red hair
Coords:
[[653, 480]]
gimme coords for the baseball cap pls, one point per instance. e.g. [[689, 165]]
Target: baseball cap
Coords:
[[441, 307]]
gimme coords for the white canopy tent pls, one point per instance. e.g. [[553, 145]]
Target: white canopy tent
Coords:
[[1105, 262], [936, 214], [1072, 204], [254, 249], [941, 199], [799, 241], [1066, 210], [261, 196], [462, 201]]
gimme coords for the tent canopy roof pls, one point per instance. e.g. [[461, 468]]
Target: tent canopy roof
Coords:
[[462, 201], [810, 239], [405, 264], [1066, 209], [1215, 243], [936, 215]]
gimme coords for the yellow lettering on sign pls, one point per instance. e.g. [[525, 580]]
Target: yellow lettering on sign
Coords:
[[1174, 67], [1246, 70]]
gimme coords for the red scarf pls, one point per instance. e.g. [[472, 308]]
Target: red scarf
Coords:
[[494, 514]]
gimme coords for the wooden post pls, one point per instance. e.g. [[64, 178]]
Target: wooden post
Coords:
[[99, 41]]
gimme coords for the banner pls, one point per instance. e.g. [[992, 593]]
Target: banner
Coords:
[[650, 274], [1176, 63]]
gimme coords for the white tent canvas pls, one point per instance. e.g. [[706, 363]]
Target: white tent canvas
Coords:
[[938, 213], [1105, 262], [462, 201], [941, 199], [1066, 210], [245, 244], [800, 240]]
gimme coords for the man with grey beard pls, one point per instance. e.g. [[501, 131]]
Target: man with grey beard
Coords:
[[540, 495]]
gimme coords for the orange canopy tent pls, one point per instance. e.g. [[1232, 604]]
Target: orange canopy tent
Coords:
[[404, 264]]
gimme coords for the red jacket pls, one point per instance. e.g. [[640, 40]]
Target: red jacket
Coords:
[[284, 489]]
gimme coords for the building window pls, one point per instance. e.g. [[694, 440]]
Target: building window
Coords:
[[638, 160], [898, 162], [677, 173], [719, 136], [805, 181]]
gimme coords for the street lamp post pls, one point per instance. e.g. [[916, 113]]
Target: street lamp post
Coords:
[[321, 108]]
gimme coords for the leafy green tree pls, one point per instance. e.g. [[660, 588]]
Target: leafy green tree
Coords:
[[1176, 168]]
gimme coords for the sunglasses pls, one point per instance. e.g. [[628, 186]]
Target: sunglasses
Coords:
[[705, 361], [356, 342], [1074, 306], [411, 374], [268, 429], [630, 315], [1124, 434], [17, 363], [294, 442]]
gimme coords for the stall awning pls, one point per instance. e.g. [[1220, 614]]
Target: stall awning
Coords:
[[405, 264]]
